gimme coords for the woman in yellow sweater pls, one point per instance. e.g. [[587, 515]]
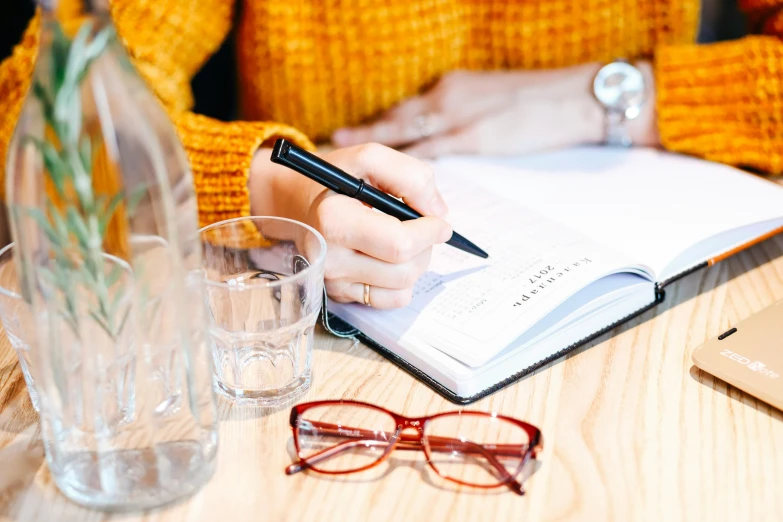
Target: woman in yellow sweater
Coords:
[[369, 70]]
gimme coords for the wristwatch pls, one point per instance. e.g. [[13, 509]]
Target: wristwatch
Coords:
[[620, 88]]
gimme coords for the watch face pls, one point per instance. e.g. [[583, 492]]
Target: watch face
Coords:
[[619, 85]]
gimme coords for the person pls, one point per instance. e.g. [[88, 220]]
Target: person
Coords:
[[431, 77]]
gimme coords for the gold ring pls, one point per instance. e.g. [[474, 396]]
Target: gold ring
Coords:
[[367, 295]]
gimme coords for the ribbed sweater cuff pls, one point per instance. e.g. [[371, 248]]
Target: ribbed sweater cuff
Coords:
[[220, 156], [723, 101]]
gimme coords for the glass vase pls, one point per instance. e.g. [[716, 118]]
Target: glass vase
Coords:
[[104, 217]]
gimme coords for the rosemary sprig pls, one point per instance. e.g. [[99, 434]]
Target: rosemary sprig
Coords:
[[77, 228]]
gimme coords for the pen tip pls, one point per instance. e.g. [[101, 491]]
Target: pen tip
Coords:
[[477, 251], [460, 242]]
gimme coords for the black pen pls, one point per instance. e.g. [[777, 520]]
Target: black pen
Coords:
[[331, 177]]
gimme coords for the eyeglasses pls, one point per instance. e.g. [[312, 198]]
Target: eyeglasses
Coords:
[[478, 449]]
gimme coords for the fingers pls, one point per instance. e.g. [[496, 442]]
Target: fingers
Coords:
[[350, 224], [384, 298], [400, 242], [391, 285], [381, 298], [463, 142], [412, 107], [394, 172], [409, 121], [350, 266]]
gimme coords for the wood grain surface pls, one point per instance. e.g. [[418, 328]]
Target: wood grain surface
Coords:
[[632, 431]]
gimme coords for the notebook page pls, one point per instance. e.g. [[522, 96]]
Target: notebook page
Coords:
[[650, 204], [470, 308]]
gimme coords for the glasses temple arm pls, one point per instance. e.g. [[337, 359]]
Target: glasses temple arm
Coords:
[[505, 476], [332, 452], [436, 442]]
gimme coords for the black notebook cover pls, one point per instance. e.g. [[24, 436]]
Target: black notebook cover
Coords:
[[341, 328]]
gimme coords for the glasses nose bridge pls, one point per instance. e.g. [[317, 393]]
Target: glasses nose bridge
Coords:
[[416, 425]]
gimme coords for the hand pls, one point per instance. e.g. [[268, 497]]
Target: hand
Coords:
[[363, 246], [502, 112]]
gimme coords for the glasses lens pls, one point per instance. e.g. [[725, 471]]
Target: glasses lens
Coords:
[[475, 449], [343, 437]]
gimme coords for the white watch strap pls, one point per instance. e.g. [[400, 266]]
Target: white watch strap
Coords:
[[617, 126], [616, 129]]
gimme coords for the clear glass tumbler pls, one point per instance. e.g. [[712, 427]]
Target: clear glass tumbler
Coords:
[[265, 285], [18, 320]]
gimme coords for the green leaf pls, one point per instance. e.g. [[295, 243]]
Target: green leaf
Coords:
[[38, 215], [78, 228], [67, 100], [94, 50], [85, 152], [103, 310], [135, 198], [101, 322], [114, 202], [89, 272], [82, 184], [60, 45], [40, 92], [57, 168], [99, 43], [58, 222], [108, 212], [63, 281], [76, 54], [123, 321], [68, 113]]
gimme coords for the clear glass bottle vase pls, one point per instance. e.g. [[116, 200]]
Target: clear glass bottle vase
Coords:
[[103, 214]]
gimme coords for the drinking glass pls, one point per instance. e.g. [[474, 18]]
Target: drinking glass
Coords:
[[471, 448], [17, 320], [264, 288]]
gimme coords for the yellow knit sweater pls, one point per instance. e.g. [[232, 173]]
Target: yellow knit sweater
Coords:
[[317, 65]]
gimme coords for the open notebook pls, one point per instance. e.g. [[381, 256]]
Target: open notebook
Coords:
[[579, 241]]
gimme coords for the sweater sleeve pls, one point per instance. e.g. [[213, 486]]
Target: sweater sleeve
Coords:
[[220, 155], [724, 101], [15, 75], [168, 46]]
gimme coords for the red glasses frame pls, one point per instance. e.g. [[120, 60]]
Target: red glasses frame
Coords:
[[415, 441]]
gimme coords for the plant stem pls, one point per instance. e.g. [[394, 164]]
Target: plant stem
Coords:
[[79, 230]]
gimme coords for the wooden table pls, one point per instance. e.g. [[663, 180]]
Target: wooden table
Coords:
[[632, 431]]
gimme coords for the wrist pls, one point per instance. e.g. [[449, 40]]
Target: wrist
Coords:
[[590, 115], [278, 191], [644, 128]]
